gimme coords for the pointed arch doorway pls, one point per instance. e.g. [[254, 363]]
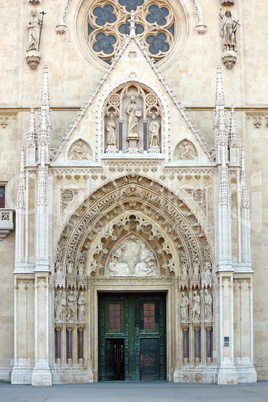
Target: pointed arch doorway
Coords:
[[132, 336]]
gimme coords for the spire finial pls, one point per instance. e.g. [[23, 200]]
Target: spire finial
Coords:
[[21, 181], [233, 130], [244, 186], [220, 122]]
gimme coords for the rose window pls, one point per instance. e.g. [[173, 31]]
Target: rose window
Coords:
[[108, 25]]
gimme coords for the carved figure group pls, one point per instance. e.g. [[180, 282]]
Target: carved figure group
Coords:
[[186, 150], [34, 26]]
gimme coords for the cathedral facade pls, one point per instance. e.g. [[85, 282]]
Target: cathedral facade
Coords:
[[133, 206]]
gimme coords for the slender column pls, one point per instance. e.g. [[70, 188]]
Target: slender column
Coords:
[[197, 342], [69, 344], [185, 328], [145, 135], [209, 343], [120, 134], [81, 344], [58, 344], [239, 241]]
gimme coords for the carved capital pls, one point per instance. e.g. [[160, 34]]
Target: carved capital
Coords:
[[185, 326]]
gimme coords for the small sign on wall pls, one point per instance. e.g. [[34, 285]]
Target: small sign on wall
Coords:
[[226, 341]]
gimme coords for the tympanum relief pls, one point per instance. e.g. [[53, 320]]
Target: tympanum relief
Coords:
[[80, 151], [185, 150], [132, 257], [132, 121]]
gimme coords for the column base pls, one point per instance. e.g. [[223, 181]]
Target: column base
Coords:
[[246, 372], [21, 375], [41, 377], [227, 375]]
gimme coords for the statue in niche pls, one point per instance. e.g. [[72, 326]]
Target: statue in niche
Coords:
[[59, 277], [184, 268], [34, 26], [184, 307], [81, 307], [80, 151], [71, 298], [195, 267], [132, 258], [154, 133], [228, 30], [70, 267], [58, 303], [133, 120], [186, 151], [208, 305], [111, 131], [196, 306]]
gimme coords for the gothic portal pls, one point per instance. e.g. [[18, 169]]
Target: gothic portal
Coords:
[[132, 243]]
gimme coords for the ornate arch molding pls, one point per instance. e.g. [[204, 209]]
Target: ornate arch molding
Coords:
[[92, 228], [165, 116]]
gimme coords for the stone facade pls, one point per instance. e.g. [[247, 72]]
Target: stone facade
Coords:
[[130, 175]]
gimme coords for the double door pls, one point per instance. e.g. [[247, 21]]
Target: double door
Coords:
[[132, 337]]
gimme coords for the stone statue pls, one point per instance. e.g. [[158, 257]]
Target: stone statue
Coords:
[[154, 133], [134, 113], [196, 306], [195, 267], [111, 131], [81, 307], [70, 306], [58, 305], [70, 267], [59, 277], [184, 307], [208, 305], [34, 26], [228, 30], [184, 269]]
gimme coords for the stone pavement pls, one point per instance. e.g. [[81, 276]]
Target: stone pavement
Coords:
[[135, 392]]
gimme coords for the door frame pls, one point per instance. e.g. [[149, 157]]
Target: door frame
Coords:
[[173, 335]]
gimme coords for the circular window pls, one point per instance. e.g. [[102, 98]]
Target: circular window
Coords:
[[108, 25]]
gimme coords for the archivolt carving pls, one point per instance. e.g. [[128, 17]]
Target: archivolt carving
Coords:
[[149, 202]]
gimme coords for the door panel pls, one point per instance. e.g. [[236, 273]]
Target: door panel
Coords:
[[149, 360], [134, 324]]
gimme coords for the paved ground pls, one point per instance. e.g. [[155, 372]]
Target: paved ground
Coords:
[[136, 392]]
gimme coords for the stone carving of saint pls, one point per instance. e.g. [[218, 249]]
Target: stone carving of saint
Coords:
[[228, 30], [195, 267], [196, 306], [34, 26], [58, 303], [70, 309], [79, 151], [184, 269], [208, 305], [184, 307], [59, 277], [133, 120], [81, 307], [186, 150], [111, 131], [154, 133], [70, 267]]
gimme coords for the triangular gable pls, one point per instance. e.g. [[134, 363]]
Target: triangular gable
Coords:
[[132, 63]]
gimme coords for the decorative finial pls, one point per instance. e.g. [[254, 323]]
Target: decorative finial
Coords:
[[132, 22]]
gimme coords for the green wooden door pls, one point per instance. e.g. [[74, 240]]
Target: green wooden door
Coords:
[[132, 337]]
